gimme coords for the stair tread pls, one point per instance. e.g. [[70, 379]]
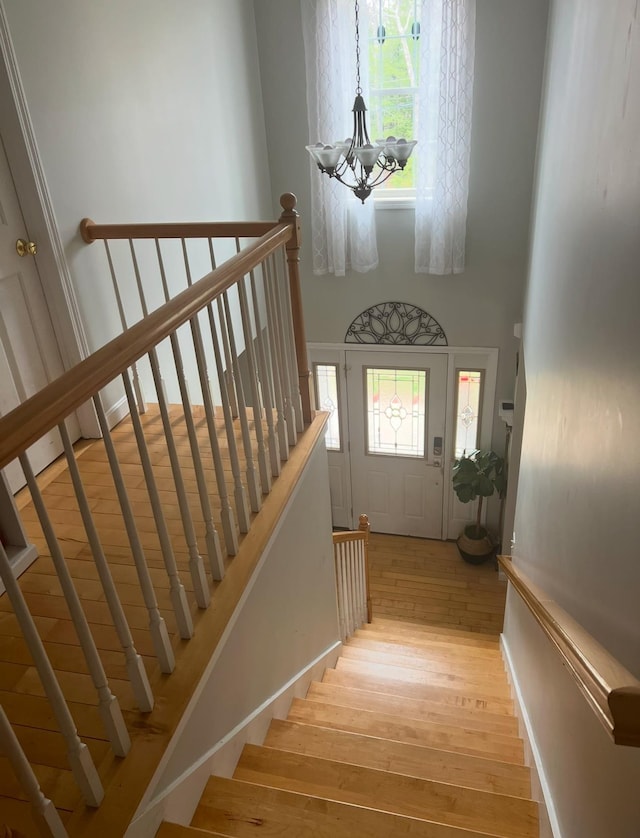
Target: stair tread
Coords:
[[511, 817], [236, 808], [416, 731], [459, 697], [400, 757], [404, 627], [446, 649], [496, 687], [456, 667], [412, 708]]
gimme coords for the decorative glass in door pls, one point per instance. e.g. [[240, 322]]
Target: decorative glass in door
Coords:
[[396, 406]]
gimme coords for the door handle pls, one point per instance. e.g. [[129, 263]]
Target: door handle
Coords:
[[24, 247]]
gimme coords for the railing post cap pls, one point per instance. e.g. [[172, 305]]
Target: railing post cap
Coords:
[[288, 202], [85, 232]]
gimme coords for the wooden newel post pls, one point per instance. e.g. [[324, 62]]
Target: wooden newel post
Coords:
[[363, 526], [291, 217]]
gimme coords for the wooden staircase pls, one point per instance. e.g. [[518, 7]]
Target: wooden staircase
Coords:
[[412, 733]]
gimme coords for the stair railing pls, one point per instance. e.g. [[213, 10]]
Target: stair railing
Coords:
[[612, 692], [351, 557], [253, 297]]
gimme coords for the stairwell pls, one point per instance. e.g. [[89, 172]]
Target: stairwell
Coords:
[[412, 733]]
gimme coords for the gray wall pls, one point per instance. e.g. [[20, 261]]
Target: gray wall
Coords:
[[480, 306], [578, 505], [143, 111]]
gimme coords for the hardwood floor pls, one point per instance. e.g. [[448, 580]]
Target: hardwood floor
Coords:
[[417, 580]]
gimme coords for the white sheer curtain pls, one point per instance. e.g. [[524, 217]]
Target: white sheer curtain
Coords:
[[344, 233], [447, 45]]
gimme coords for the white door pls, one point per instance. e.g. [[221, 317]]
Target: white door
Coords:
[[29, 353], [397, 409]]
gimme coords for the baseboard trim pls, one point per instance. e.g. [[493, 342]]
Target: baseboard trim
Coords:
[[20, 558], [540, 791], [178, 802], [117, 412]]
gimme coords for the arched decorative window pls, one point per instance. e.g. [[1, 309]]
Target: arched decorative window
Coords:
[[401, 324]]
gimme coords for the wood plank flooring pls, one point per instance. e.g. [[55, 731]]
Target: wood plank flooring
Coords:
[[414, 579]]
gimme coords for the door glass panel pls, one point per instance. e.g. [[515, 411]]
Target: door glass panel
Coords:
[[396, 411], [327, 398], [468, 399]]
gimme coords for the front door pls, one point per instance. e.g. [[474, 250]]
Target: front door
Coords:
[[29, 353], [397, 408]]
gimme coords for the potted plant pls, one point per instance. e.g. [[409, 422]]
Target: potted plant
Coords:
[[478, 476]]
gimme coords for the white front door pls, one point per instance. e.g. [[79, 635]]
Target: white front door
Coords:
[[397, 409], [29, 353]]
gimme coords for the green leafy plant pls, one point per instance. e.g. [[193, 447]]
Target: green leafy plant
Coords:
[[478, 476]]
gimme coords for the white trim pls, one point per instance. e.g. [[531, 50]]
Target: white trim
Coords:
[[549, 825], [178, 801], [117, 412], [37, 208]]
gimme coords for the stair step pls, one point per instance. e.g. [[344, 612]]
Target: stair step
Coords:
[[400, 757], [413, 731], [404, 628], [496, 687], [240, 809], [478, 673], [510, 817], [446, 649], [459, 696], [412, 708]]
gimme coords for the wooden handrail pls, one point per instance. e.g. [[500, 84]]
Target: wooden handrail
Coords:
[[51, 405], [91, 232], [610, 689]]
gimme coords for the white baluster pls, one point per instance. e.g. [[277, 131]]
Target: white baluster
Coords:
[[340, 589], [80, 761], [227, 411], [45, 813], [266, 377], [157, 626], [176, 588], [196, 566], [134, 663], [277, 363], [347, 598], [212, 540], [285, 359], [247, 326], [137, 385], [228, 520], [287, 318], [253, 479], [228, 376], [108, 704]]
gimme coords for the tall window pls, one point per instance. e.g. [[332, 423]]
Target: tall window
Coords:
[[394, 76], [468, 401]]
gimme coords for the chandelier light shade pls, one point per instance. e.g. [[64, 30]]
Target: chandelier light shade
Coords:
[[356, 162]]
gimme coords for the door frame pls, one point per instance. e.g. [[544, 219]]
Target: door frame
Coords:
[[479, 357], [37, 208]]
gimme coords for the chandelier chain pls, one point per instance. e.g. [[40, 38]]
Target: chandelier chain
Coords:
[[358, 87]]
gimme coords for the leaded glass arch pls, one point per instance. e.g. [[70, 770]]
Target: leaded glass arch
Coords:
[[401, 324]]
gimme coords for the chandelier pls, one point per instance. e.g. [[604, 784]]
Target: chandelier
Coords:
[[358, 163]]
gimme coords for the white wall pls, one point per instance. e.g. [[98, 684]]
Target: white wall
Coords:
[[480, 306], [578, 505], [143, 111]]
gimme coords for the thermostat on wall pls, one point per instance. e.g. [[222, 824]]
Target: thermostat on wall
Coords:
[[505, 412]]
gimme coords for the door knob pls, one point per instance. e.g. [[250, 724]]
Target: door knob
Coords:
[[23, 247]]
